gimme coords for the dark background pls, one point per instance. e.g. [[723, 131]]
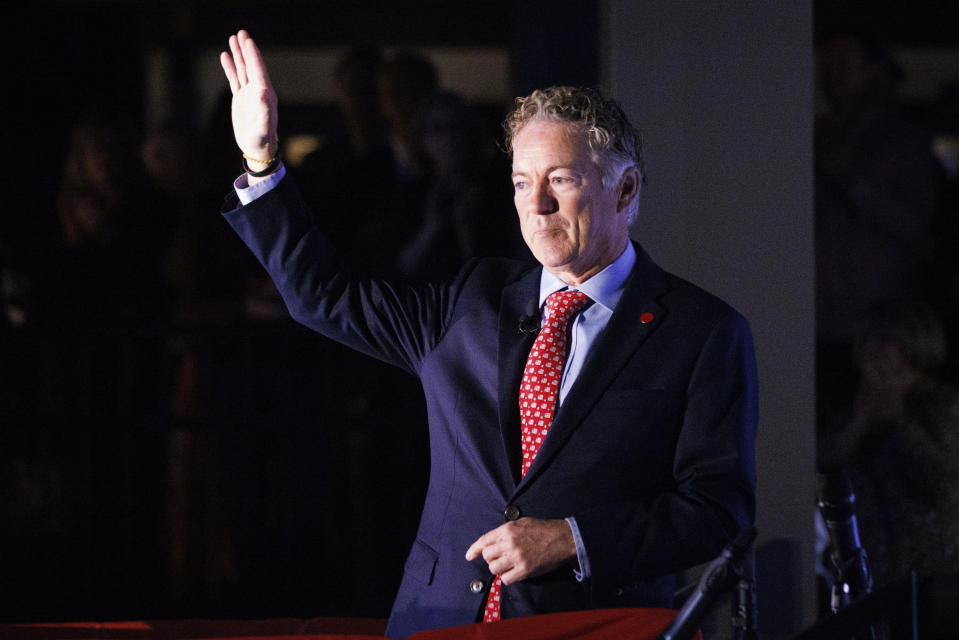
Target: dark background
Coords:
[[289, 522]]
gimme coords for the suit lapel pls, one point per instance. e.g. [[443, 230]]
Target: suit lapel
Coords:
[[608, 355], [513, 350]]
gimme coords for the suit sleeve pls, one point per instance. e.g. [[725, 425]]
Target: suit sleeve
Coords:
[[394, 323], [711, 496]]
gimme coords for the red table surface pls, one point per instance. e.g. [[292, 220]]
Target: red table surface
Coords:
[[602, 624]]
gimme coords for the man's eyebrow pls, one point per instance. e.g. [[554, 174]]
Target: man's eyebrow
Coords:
[[565, 167]]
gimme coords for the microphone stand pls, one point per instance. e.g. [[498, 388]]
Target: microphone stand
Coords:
[[745, 615], [852, 579], [719, 577]]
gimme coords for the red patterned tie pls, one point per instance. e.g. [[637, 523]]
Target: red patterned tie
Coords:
[[539, 391]]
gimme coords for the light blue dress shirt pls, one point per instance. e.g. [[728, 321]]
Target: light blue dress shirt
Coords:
[[604, 289], [247, 193]]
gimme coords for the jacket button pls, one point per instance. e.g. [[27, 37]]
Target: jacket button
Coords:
[[476, 586], [512, 513], [619, 591]]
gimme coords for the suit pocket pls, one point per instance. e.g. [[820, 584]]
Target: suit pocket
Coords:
[[421, 563]]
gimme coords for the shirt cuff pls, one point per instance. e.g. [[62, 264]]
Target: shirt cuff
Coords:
[[248, 193], [583, 572]]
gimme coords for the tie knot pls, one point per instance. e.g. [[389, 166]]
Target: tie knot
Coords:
[[565, 304]]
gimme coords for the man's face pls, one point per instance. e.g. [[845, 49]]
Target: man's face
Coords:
[[574, 227]]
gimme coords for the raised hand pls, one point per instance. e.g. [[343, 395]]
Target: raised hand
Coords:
[[254, 101]]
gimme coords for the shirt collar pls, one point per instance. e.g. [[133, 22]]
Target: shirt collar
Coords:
[[605, 288]]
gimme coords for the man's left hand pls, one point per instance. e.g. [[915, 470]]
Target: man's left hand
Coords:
[[524, 548]]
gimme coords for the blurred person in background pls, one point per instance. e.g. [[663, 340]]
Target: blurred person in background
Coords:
[[898, 440], [467, 211]]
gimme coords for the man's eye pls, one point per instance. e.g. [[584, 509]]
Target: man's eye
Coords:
[[519, 185], [561, 180]]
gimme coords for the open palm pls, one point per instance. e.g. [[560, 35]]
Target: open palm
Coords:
[[254, 100]]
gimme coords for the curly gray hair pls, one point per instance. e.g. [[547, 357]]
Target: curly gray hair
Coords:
[[614, 143]]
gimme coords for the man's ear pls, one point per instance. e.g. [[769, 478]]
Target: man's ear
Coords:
[[629, 186]]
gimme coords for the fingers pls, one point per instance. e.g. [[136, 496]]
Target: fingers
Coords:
[[238, 60], [244, 64], [255, 67], [508, 569], [513, 574], [517, 550], [494, 546], [490, 546], [506, 561], [477, 547], [230, 70]]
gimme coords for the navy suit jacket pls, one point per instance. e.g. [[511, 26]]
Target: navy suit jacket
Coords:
[[651, 452]]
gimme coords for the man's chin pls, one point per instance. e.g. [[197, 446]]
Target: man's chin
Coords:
[[552, 261], [551, 254]]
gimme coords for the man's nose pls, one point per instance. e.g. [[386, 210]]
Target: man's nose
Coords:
[[544, 200]]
